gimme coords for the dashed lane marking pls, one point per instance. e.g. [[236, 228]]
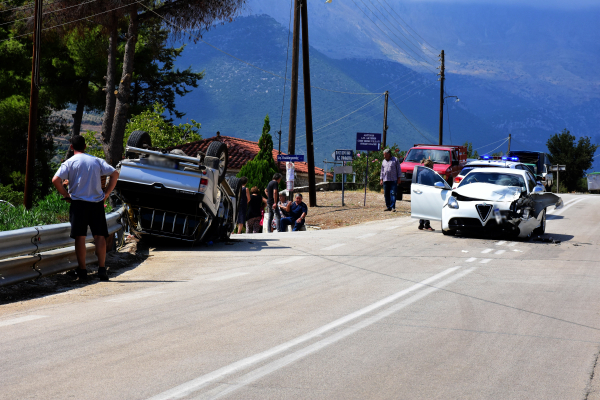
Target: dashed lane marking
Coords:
[[334, 246], [21, 319], [289, 260], [471, 259], [512, 244], [134, 296], [500, 252], [228, 276], [500, 243], [485, 261], [486, 251], [366, 235]]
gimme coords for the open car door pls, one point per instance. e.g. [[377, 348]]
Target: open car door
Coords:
[[428, 194]]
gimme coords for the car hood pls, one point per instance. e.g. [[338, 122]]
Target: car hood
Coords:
[[488, 191]]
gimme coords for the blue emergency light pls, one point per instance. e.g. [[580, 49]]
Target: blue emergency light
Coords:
[[486, 157]]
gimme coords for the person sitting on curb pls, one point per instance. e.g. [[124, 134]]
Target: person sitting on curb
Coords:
[[281, 205], [424, 224], [297, 212], [87, 198]]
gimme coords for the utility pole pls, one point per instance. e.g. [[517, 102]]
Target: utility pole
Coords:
[[310, 152], [294, 89], [385, 126], [33, 106], [442, 77], [509, 138]]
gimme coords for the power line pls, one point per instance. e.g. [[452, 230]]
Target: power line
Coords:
[[49, 12], [409, 121], [286, 65], [400, 31], [246, 62], [489, 144], [416, 91], [25, 7], [501, 144], [70, 22], [378, 27], [410, 27]]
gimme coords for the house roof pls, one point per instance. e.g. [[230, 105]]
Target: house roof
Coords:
[[240, 151]]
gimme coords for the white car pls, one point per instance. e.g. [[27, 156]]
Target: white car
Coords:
[[487, 199], [488, 163]]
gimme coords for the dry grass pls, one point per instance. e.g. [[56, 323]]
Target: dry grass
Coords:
[[329, 213]]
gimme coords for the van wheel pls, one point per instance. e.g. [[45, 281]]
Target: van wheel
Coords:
[[138, 139], [219, 150]]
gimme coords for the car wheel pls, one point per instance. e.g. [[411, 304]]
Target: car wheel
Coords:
[[219, 150], [138, 139], [542, 228], [449, 232]]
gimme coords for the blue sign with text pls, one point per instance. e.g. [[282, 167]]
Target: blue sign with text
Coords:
[[290, 157], [344, 155], [368, 141]]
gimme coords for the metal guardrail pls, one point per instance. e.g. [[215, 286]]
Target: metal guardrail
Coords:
[[31, 253]]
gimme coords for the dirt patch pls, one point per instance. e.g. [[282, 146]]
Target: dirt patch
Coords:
[[329, 213]]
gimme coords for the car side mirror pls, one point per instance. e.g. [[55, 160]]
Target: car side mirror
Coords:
[[538, 189], [439, 185]]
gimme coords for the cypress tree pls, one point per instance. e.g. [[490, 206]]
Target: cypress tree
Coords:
[[262, 167]]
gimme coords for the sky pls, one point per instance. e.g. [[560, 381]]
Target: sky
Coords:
[[564, 4]]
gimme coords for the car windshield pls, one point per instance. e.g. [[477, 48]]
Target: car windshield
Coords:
[[437, 156], [495, 178], [469, 168]]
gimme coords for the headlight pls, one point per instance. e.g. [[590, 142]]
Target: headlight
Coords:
[[452, 203]]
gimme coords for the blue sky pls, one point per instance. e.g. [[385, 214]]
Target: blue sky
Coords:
[[565, 4]]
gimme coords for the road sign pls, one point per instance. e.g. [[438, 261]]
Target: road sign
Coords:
[[290, 157], [368, 141], [558, 168], [343, 170], [343, 155]]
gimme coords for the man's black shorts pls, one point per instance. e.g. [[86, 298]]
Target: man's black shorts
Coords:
[[85, 213]]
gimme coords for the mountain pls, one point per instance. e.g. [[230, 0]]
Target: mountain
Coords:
[[234, 97]]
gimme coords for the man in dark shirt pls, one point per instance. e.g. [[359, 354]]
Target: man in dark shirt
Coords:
[[297, 211], [272, 192]]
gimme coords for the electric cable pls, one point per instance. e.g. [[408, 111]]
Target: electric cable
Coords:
[[489, 144], [49, 12], [436, 51], [339, 119]]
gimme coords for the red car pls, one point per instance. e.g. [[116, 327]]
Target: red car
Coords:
[[448, 161]]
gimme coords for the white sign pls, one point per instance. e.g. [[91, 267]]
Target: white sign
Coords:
[[558, 168], [343, 170]]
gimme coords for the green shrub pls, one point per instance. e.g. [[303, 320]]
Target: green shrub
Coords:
[[359, 165], [12, 196]]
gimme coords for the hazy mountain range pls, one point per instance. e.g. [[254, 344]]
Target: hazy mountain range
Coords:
[[528, 71]]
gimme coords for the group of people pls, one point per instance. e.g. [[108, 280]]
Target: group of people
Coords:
[[390, 178], [280, 213]]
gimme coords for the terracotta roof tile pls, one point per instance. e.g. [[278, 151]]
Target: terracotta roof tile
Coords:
[[240, 152]]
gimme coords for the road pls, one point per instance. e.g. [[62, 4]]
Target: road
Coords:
[[373, 311]]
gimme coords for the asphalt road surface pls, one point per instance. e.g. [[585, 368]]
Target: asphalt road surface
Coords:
[[374, 311]]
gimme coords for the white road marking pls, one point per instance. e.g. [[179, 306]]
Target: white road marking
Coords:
[[227, 388], [229, 276], [334, 246], [564, 205], [500, 243], [487, 251], [500, 252], [465, 251], [471, 259], [366, 235], [391, 227], [189, 387], [289, 260], [134, 296], [512, 244], [520, 251], [14, 321], [560, 211], [485, 261]]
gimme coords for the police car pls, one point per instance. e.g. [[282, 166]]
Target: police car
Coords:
[[490, 162]]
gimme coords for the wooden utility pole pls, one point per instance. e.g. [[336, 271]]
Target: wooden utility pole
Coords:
[[310, 152], [509, 138], [294, 88], [442, 77], [385, 125], [33, 106]]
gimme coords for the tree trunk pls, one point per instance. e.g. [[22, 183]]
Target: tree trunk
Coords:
[[109, 108], [122, 105], [78, 114]]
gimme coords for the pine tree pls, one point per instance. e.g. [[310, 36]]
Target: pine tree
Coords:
[[262, 167]]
